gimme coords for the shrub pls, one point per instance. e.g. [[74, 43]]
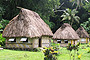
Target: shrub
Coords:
[[55, 46], [0, 45], [2, 40], [71, 47], [88, 45], [50, 53], [88, 51], [36, 49]]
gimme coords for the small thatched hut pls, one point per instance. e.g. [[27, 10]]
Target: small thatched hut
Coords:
[[65, 34], [84, 36], [27, 30]]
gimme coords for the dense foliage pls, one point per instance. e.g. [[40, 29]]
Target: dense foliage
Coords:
[[86, 25], [2, 40], [50, 53]]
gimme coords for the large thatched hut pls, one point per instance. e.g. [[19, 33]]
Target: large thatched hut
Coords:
[[65, 34], [84, 36], [27, 30]]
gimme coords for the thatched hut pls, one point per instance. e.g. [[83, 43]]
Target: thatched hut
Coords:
[[65, 34], [27, 30], [84, 36]]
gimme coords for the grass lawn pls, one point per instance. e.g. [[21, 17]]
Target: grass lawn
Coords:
[[20, 55], [26, 55]]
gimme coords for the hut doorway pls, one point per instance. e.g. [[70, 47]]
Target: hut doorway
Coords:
[[39, 42]]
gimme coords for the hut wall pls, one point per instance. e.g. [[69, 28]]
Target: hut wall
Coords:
[[7, 45], [19, 44], [78, 40], [35, 42], [50, 39], [62, 41], [63, 44], [69, 41], [45, 41], [88, 40], [84, 40], [75, 41]]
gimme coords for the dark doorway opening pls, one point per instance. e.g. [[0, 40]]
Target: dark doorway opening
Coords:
[[39, 42], [74, 41]]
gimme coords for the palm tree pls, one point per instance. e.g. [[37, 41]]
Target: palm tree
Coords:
[[79, 2], [70, 16]]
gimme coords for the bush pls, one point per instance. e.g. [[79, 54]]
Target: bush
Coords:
[[50, 53], [55, 46], [88, 45], [2, 40], [36, 50], [71, 47]]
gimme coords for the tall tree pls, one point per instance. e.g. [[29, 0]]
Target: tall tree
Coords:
[[70, 15], [79, 3]]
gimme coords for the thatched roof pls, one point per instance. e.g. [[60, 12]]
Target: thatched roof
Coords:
[[65, 32], [27, 24], [82, 33]]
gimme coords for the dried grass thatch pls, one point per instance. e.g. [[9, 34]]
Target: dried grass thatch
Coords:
[[65, 32], [82, 33], [27, 24]]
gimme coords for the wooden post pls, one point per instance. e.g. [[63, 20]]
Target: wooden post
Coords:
[[74, 42], [71, 41], [6, 42], [80, 40], [86, 40]]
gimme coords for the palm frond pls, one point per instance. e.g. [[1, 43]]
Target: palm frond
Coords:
[[76, 18], [63, 15], [65, 18]]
